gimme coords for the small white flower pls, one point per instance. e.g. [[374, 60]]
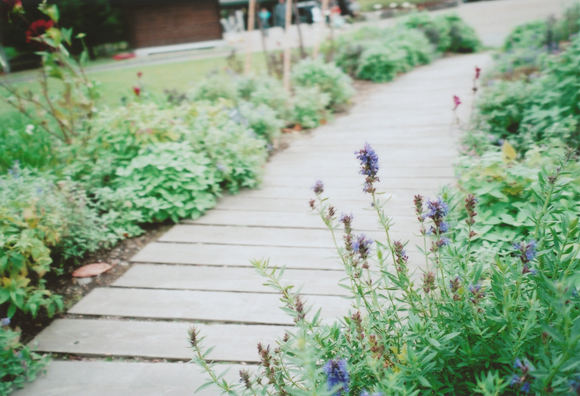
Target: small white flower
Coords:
[[406, 4], [377, 6], [393, 5], [29, 129]]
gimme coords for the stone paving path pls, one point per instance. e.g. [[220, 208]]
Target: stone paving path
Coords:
[[199, 271]]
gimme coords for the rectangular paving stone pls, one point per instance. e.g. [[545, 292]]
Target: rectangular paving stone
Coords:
[[164, 340], [388, 173], [208, 306], [362, 222], [100, 378], [395, 208], [237, 255], [264, 236], [353, 181], [156, 276]]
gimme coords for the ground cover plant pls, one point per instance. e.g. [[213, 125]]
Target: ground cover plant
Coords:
[[381, 54], [526, 116], [462, 324]]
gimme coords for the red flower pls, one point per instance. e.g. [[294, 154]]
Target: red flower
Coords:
[[477, 72], [456, 101], [37, 29], [139, 74], [137, 91], [14, 4]]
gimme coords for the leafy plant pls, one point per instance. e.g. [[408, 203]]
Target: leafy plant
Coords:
[[309, 106], [327, 77], [58, 112], [18, 364], [170, 180]]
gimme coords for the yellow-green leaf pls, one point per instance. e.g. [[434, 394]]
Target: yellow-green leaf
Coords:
[[509, 153]]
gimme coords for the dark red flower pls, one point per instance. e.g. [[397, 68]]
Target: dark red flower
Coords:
[[37, 29], [477, 72], [139, 74], [14, 4], [137, 91], [456, 101]]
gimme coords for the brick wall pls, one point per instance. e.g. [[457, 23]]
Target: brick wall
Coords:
[[156, 25]]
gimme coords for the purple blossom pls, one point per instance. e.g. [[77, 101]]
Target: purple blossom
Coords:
[[437, 209], [369, 162], [523, 378], [5, 321], [318, 187], [337, 374], [575, 386], [362, 244], [365, 393], [526, 252]]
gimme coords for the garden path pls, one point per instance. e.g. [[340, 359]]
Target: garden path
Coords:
[[200, 272]]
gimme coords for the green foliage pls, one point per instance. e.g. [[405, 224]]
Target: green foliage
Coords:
[[169, 180], [309, 106], [542, 102], [262, 119], [471, 325], [327, 77], [381, 54], [214, 87], [18, 364], [39, 218], [505, 190]]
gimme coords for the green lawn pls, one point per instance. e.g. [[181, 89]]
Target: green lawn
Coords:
[[116, 84]]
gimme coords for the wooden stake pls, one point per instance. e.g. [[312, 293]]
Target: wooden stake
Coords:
[[287, 53], [323, 25], [251, 22]]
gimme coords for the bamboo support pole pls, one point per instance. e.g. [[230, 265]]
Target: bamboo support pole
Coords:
[[287, 53], [321, 32], [251, 23]]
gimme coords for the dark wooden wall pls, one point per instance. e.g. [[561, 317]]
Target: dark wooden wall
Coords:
[[154, 25]]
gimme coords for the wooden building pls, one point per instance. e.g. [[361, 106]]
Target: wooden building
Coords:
[[154, 23]]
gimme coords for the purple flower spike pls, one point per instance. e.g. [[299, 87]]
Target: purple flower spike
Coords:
[[337, 374]]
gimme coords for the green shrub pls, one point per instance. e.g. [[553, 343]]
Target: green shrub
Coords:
[[18, 364], [502, 105], [309, 106], [39, 217], [382, 63], [327, 77], [463, 38], [262, 119], [505, 192], [529, 35], [170, 180], [237, 154], [214, 87]]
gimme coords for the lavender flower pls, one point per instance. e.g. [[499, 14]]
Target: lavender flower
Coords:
[[347, 221], [318, 187], [369, 162], [524, 378], [362, 245], [436, 209], [337, 374], [5, 321], [526, 252], [477, 293]]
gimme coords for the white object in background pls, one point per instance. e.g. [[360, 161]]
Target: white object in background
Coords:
[[240, 20], [316, 14]]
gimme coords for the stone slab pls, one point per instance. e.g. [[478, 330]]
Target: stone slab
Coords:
[[354, 181], [264, 236], [237, 256], [231, 307], [155, 276], [362, 221], [99, 378], [163, 340]]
